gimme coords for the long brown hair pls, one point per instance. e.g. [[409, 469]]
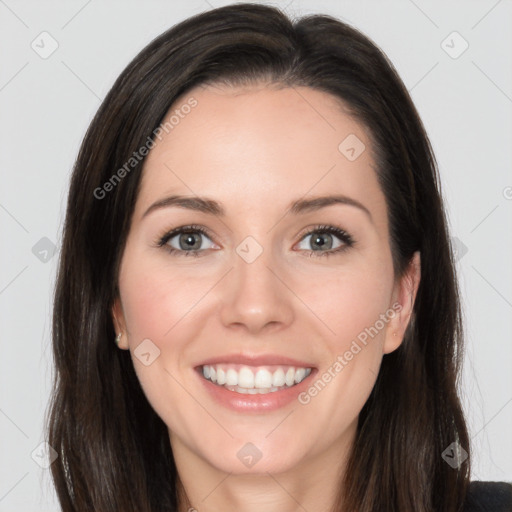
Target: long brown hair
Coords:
[[114, 450]]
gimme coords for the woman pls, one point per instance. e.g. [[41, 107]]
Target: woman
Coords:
[[255, 218]]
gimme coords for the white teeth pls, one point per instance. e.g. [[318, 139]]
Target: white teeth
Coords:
[[246, 378], [300, 374], [263, 379], [221, 377], [252, 380], [290, 377], [231, 377], [278, 379], [252, 391]]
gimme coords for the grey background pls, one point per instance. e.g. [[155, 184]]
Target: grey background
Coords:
[[47, 104]]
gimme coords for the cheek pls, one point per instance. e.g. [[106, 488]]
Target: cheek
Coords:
[[158, 305], [352, 306], [351, 302], [157, 299]]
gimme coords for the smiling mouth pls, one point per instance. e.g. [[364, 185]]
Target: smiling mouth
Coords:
[[254, 380]]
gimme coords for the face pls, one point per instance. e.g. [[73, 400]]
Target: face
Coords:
[[289, 308]]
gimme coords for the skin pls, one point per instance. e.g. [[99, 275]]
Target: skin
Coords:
[[254, 150]]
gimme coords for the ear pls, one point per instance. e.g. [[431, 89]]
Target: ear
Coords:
[[404, 295], [120, 323]]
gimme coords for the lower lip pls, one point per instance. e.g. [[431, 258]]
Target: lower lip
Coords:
[[246, 403]]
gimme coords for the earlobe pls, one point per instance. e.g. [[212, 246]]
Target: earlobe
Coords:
[[405, 296], [119, 325]]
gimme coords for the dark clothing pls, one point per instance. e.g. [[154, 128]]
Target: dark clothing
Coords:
[[489, 497]]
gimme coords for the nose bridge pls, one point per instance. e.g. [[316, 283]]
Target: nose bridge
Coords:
[[256, 296]]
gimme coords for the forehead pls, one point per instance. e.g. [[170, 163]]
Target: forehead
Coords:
[[256, 146]]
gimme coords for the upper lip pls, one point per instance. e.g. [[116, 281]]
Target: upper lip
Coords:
[[256, 360]]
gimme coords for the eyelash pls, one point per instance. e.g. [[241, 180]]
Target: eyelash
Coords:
[[347, 239]]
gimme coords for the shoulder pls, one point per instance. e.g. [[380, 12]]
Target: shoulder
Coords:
[[489, 497]]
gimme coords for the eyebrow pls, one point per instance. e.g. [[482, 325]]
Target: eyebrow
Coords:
[[211, 207]]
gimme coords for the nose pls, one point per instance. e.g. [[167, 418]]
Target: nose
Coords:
[[257, 297]]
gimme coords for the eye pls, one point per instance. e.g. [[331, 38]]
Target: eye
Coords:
[[188, 241], [184, 241], [321, 239]]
